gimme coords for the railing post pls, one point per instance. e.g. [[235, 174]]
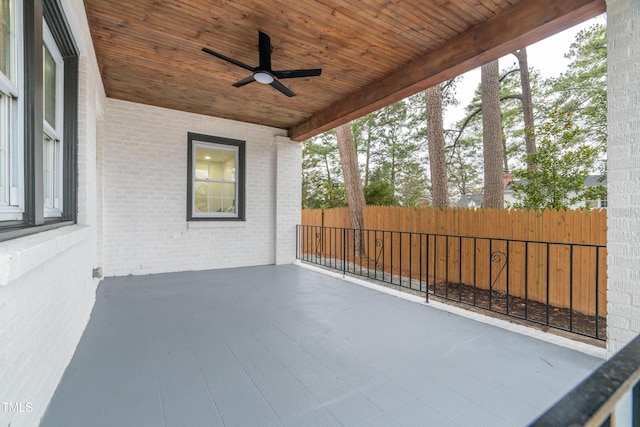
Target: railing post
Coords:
[[459, 268], [344, 251], [571, 289], [490, 274], [597, 296]]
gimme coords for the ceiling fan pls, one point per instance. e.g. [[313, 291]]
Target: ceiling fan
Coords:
[[263, 72]]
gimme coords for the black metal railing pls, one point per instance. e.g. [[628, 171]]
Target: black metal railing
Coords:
[[609, 396], [555, 284]]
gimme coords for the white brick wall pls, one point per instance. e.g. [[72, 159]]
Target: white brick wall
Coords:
[[289, 198], [623, 294], [43, 313], [46, 286], [145, 191]]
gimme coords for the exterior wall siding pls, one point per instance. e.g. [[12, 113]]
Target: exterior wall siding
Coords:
[[623, 166], [46, 286], [145, 192]]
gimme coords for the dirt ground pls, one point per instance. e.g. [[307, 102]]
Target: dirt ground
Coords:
[[533, 311]]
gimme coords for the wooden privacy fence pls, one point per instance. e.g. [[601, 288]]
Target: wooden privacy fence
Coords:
[[570, 226], [557, 258]]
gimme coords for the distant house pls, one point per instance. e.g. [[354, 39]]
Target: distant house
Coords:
[[474, 201], [591, 181]]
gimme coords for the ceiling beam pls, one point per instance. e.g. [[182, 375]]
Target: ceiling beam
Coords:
[[521, 25]]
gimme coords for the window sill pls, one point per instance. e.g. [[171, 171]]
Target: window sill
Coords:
[[19, 256], [216, 224]]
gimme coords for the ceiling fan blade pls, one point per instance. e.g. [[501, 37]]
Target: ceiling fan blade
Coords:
[[244, 81], [264, 47], [292, 74], [282, 88], [226, 58]]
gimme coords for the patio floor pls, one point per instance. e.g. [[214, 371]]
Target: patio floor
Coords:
[[283, 345]]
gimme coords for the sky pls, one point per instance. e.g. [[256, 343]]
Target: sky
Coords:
[[547, 56]]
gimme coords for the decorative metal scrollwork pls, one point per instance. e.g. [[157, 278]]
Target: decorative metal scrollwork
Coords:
[[318, 244], [379, 248], [498, 257]]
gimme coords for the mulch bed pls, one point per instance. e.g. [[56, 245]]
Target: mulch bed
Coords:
[[533, 311]]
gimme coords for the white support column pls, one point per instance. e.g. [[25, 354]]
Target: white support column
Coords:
[[623, 92], [288, 197]]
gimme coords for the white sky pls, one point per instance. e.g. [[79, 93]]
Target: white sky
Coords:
[[547, 56]]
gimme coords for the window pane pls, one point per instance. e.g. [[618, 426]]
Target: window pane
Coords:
[[229, 173], [201, 189], [201, 204], [49, 88], [202, 170], [229, 198], [48, 171], [5, 37], [4, 150], [217, 164], [215, 204], [215, 189]]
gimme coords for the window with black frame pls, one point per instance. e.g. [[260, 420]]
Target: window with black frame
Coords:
[[38, 117], [11, 158], [216, 173]]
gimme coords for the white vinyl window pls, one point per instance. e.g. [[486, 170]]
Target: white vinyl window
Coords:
[[53, 81], [215, 176], [11, 152]]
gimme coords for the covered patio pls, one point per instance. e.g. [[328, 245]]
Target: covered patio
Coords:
[[284, 345], [131, 311]]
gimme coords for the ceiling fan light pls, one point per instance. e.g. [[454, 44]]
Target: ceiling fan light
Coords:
[[262, 77]]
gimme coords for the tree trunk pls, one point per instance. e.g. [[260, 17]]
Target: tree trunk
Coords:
[[352, 183], [326, 165], [435, 139], [527, 103], [504, 151], [368, 153], [393, 163], [492, 136]]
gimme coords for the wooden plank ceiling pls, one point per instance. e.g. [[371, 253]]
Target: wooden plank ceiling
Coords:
[[372, 52]]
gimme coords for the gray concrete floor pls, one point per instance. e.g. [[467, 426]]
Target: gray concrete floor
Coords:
[[282, 345]]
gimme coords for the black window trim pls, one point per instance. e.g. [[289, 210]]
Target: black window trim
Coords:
[[241, 202], [33, 220]]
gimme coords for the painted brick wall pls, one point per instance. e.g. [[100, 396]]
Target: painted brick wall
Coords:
[[145, 183], [42, 316], [46, 285], [623, 294], [289, 198]]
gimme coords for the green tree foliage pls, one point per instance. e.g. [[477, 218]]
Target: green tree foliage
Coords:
[[466, 140], [562, 164], [391, 160], [582, 90], [322, 185], [396, 155], [380, 193], [391, 142]]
